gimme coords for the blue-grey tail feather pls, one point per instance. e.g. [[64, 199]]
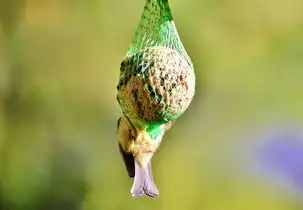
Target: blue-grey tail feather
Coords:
[[144, 183]]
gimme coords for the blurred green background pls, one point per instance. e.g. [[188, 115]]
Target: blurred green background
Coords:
[[59, 66]]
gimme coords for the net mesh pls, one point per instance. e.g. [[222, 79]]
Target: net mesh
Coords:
[[157, 28], [157, 80]]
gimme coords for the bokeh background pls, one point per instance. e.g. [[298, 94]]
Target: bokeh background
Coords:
[[59, 66]]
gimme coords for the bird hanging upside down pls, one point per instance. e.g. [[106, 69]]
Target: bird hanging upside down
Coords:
[[156, 86], [137, 148]]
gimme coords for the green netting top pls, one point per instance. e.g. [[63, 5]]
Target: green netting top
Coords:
[[157, 28]]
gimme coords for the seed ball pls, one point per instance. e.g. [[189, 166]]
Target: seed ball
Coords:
[[156, 85]]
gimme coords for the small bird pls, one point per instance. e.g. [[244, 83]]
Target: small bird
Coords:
[[137, 148], [155, 87]]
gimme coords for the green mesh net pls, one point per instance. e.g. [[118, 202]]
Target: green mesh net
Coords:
[[157, 28], [157, 80]]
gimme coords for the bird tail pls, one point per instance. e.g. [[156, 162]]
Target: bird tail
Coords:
[[143, 178], [143, 182]]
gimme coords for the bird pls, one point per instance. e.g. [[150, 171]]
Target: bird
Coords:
[[135, 143], [155, 87]]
